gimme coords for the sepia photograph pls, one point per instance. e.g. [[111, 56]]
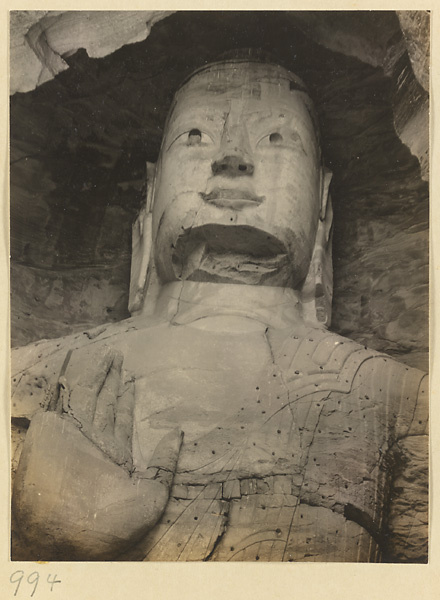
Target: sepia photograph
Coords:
[[219, 279]]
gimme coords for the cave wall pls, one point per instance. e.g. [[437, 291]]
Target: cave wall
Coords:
[[90, 96]]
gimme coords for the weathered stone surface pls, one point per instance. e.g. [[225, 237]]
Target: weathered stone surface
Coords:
[[54, 294], [41, 40], [410, 489], [256, 439], [90, 503], [415, 25], [375, 38], [297, 440], [79, 145]]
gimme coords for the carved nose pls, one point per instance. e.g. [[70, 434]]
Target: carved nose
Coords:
[[232, 165]]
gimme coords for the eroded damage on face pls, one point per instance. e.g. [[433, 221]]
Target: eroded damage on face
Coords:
[[231, 254], [239, 183]]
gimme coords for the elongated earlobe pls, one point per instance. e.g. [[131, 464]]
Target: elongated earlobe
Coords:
[[141, 247], [317, 291], [326, 177]]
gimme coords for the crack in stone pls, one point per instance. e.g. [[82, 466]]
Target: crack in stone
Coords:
[[126, 465], [220, 536], [416, 405], [304, 466], [187, 232], [362, 518], [284, 384]]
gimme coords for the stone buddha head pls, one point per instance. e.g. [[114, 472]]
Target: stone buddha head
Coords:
[[240, 193]]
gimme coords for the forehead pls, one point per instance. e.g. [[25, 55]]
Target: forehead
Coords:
[[252, 86]]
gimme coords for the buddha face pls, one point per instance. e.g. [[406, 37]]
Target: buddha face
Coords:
[[238, 186]]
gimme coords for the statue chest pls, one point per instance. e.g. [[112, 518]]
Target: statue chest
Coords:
[[250, 405], [271, 453], [202, 383], [286, 439]]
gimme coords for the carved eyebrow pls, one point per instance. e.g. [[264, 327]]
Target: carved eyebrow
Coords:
[[191, 120], [186, 128], [292, 137], [190, 112], [273, 124]]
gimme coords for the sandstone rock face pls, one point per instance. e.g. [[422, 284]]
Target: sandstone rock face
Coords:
[[40, 40], [415, 25]]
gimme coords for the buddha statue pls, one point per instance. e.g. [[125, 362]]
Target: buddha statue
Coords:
[[223, 421]]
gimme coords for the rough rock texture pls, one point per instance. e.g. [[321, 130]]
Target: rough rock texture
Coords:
[[79, 145], [41, 40], [410, 490], [415, 25]]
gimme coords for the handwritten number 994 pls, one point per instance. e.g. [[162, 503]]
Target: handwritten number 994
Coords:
[[32, 579]]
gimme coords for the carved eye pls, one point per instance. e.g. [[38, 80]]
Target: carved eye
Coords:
[[194, 137], [275, 138]]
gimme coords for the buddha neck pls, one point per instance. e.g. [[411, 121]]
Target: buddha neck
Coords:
[[228, 306]]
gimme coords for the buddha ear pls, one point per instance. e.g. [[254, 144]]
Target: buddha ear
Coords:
[[141, 245], [326, 177], [317, 291]]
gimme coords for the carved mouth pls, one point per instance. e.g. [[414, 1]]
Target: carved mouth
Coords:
[[231, 254], [232, 198]]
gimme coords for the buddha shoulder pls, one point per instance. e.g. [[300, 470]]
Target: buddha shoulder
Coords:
[[319, 360]]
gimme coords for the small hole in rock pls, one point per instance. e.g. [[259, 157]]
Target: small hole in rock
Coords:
[[275, 138]]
